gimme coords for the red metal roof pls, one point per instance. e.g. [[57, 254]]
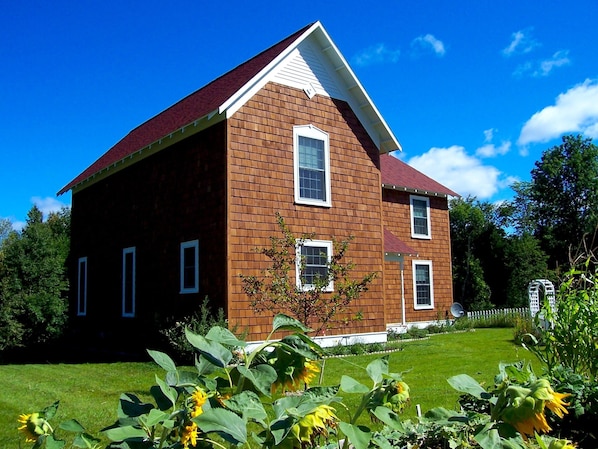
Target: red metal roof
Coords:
[[392, 244], [397, 173], [197, 105]]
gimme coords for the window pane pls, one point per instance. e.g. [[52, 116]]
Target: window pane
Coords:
[[189, 267], [315, 260], [420, 217], [82, 288], [422, 285], [312, 175], [129, 283]]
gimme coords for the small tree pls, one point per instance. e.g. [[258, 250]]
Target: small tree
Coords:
[[277, 290]]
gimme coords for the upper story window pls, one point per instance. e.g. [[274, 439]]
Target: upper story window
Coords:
[[420, 217], [312, 166], [423, 287], [313, 258], [190, 266]]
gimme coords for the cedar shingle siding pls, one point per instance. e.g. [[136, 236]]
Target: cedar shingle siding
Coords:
[[217, 166]]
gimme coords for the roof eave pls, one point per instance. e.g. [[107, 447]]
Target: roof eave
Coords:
[[416, 190]]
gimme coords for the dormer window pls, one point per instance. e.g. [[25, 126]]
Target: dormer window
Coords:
[[312, 166]]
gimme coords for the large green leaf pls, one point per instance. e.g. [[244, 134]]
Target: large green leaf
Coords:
[[167, 390], [155, 416], [130, 406], [359, 436], [350, 385], [261, 376], [287, 323], [377, 368], [467, 384], [211, 350], [445, 416], [248, 404], [224, 336], [225, 423], [86, 441], [162, 401], [52, 443], [281, 427], [390, 418], [162, 359], [50, 411], [124, 433]]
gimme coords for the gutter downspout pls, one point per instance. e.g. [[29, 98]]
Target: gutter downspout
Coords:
[[402, 268]]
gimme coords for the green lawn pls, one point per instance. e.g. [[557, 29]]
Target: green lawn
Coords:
[[427, 364], [90, 392]]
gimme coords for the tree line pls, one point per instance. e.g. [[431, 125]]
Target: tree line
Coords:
[[497, 249]]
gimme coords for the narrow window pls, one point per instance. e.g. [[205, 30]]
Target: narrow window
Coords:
[[82, 287], [420, 217], [423, 288], [313, 258], [128, 296], [312, 166], [190, 267]]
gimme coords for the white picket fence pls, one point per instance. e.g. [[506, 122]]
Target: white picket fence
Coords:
[[492, 313]]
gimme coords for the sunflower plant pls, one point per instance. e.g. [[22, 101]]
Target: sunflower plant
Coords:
[[260, 397], [36, 429]]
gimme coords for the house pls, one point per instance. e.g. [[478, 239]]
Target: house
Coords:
[[174, 211]]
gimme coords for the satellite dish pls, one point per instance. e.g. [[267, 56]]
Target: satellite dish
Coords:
[[457, 310]]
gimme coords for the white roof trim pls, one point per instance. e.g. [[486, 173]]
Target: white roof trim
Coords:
[[363, 106]]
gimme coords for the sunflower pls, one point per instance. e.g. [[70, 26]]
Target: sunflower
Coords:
[[33, 426], [303, 371], [189, 435], [198, 399], [556, 405], [314, 424]]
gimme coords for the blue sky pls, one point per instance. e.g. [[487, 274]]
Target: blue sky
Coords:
[[475, 90]]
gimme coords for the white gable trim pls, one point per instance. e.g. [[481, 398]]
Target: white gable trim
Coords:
[[314, 63]]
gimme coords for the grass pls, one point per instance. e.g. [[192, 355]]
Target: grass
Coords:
[[90, 392], [427, 364]]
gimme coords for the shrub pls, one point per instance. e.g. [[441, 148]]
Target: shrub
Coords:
[[199, 322]]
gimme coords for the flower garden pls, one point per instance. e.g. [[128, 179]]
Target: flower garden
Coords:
[[270, 397]]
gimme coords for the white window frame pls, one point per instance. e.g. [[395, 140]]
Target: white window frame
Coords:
[[312, 243], [415, 234], [82, 286], [125, 313], [184, 246], [414, 264], [312, 132]]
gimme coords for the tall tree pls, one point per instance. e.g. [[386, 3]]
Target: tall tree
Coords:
[[559, 205], [33, 286], [468, 223]]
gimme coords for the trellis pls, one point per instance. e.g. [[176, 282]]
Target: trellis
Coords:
[[534, 289]]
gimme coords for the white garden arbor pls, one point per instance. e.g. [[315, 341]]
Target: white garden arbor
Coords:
[[537, 290]]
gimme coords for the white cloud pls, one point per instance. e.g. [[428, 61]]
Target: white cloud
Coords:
[[543, 68], [488, 135], [461, 172], [377, 54], [574, 111], [521, 42], [491, 150], [429, 42], [559, 59], [48, 204]]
